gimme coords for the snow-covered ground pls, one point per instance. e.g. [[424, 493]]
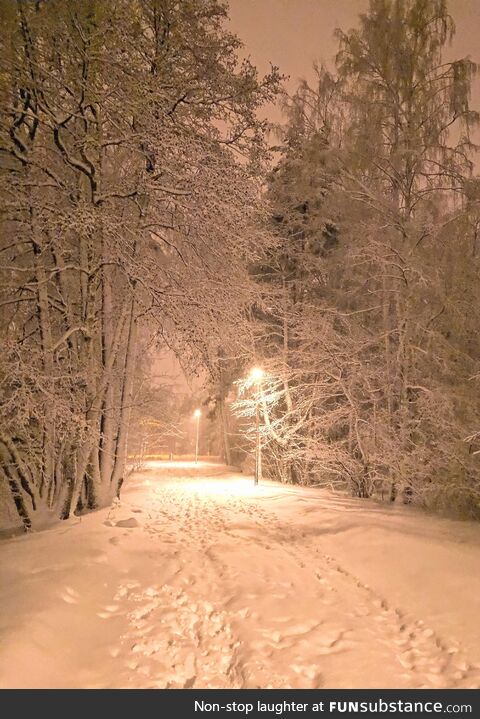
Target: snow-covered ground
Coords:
[[199, 579]]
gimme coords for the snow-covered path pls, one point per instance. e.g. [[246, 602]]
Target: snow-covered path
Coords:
[[199, 579]]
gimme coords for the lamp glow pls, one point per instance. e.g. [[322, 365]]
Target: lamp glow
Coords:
[[256, 374]]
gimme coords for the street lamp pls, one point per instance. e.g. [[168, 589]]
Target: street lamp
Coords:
[[197, 414], [256, 375]]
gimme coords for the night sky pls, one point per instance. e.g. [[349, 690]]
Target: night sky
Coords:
[[294, 33]]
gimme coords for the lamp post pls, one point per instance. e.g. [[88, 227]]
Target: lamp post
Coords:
[[197, 414], [256, 375]]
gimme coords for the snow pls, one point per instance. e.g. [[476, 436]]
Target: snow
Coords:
[[197, 578]]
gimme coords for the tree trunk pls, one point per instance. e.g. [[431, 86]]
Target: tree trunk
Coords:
[[126, 403]]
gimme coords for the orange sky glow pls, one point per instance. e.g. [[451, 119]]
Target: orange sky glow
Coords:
[[293, 34]]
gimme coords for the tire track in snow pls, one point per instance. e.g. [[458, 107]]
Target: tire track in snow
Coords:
[[431, 661], [425, 659]]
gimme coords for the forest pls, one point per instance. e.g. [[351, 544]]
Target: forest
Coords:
[[148, 203]]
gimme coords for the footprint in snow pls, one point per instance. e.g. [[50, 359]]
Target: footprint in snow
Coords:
[[69, 595], [110, 610], [129, 523]]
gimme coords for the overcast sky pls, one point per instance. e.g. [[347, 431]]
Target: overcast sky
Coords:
[[294, 33]]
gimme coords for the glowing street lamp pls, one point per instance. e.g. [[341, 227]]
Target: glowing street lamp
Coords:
[[256, 376], [196, 415]]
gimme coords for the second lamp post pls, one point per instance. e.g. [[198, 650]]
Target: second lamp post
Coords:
[[256, 376], [197, 415]]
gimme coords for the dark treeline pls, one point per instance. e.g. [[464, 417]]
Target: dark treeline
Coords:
[[370, 326]]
